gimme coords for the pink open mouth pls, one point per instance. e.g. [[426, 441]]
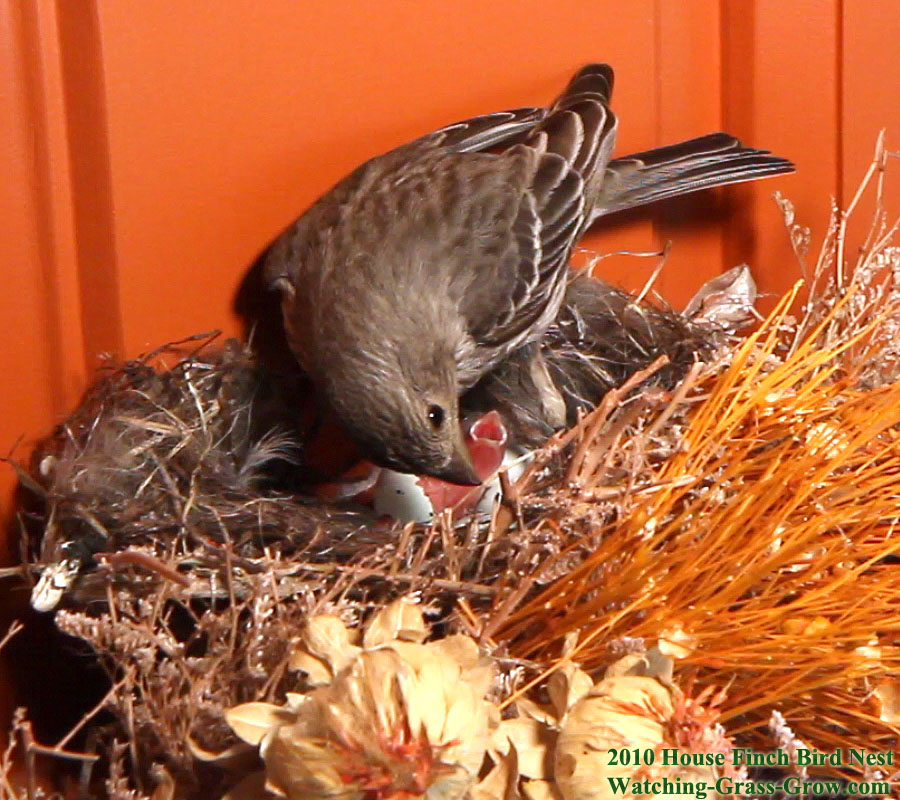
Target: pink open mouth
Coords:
[[486, 441]]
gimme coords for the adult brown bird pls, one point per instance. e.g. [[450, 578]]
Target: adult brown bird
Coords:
[[429, 265]]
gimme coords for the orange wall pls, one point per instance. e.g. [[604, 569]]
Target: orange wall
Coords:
[[154, 147]]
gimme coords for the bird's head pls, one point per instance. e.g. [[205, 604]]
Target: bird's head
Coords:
[[402, 408]]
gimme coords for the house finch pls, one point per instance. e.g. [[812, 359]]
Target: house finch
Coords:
[[428, 266]]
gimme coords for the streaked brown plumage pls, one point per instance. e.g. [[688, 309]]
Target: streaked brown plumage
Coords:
[[428, 266]]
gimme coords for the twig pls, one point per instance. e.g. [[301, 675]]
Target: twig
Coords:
[[876, 165], [13, 629], [401, 577], [654, 275], [58, 747], [685, 386], [139, 558], [501, 614], [595, 420]]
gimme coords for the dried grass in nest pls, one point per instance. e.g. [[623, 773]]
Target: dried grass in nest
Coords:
[[192, 576], [744, 522]]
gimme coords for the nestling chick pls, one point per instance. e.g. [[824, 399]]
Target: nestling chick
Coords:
[[429, 265]]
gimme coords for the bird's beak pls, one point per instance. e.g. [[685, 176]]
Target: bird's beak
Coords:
[[460, 470]]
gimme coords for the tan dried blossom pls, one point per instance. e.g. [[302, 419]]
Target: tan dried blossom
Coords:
[[564, 749], [398, 719], [612, 741]]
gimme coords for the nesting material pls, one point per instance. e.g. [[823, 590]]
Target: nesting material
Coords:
[[184, 473]]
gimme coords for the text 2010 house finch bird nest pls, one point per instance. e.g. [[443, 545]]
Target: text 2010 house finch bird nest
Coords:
[[703, 569]]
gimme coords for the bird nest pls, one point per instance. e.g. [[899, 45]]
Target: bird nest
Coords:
[[698, 569]]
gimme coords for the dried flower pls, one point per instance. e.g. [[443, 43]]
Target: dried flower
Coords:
[[573, 748], [400, 719], [612, 740]]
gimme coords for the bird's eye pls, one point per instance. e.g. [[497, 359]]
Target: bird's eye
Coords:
[[436, 416]]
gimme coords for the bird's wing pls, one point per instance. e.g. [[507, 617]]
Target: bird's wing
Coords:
[[712, 160], [468, 136], [563, 153], [489, 130], [582, 127]]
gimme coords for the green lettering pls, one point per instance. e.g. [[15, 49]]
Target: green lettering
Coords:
[[724, 785]]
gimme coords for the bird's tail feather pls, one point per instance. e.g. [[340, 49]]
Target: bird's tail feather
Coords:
[[713, 160]]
